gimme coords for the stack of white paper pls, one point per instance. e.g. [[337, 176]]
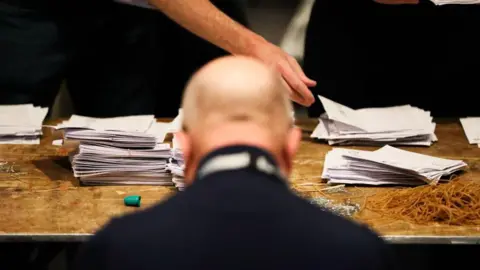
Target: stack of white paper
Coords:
[[471, 126], [136, 123], [120, 150], [455, 2], [176, 165], [140, 131], [399, 125], [119, 139], [21, 124], [102, 165], [386, 166]]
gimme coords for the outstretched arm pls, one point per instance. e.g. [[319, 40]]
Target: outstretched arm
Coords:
[[202, 18]]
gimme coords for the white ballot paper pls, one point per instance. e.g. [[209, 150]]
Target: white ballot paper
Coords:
[[136, 123], [118, 139], [455, 2], [103, 165], [398, 125], [386, 166], [140, 131], [21, 124], [471, 126]]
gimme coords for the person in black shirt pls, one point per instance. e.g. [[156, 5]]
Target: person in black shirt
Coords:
[[375, 53], [237, 211]]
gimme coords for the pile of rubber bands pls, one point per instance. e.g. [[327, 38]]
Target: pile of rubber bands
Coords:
[[455, 203]]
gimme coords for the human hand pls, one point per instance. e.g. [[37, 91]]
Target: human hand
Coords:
[[397, 2], [290, 70]]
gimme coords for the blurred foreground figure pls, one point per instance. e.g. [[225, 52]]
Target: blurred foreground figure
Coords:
[[238, 211]]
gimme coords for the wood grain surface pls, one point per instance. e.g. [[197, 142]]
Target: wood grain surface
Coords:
[[41, 196]]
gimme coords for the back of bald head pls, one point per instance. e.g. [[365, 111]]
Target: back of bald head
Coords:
[[236, 89]]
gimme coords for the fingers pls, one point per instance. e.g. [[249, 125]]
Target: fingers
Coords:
[[298, 69], [304, 97], [295, 97], [287, 86]]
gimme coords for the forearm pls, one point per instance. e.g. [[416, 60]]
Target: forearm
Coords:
[[202, 18]]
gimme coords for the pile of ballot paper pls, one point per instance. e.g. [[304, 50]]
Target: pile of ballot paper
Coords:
[[387, 166], [103, 165], [398, 125], [21, 124], [176, 165], [139, 131], [471, 126], [119, 150]]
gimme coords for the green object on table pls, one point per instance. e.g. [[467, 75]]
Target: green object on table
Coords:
[[132, 200]]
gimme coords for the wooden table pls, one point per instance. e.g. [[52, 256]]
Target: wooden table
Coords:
[[42, 201]]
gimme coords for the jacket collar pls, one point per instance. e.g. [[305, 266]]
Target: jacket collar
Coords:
[[239, 157]]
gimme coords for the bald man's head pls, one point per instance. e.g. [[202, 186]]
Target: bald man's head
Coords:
[[236, 100], [236, 89]]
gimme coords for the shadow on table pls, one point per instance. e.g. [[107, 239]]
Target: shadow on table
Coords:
[[57, 169]]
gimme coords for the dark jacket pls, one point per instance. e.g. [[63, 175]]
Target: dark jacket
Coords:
[[236, 218]]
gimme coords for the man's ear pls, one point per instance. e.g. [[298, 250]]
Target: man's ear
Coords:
[[185, 144], [293, 141]]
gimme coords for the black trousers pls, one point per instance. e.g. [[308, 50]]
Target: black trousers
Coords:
[[365, 54], [116, 59]]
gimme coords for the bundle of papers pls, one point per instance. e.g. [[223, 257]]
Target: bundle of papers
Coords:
[[455, 2], [119, 139], [21, 124], [136, 123], [119, 151], [398, 125], [103, 165], [127, 132], [386, 166], [471, 126], [176, 166]]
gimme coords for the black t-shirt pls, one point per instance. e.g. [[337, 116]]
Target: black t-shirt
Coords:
[[365, 54]]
